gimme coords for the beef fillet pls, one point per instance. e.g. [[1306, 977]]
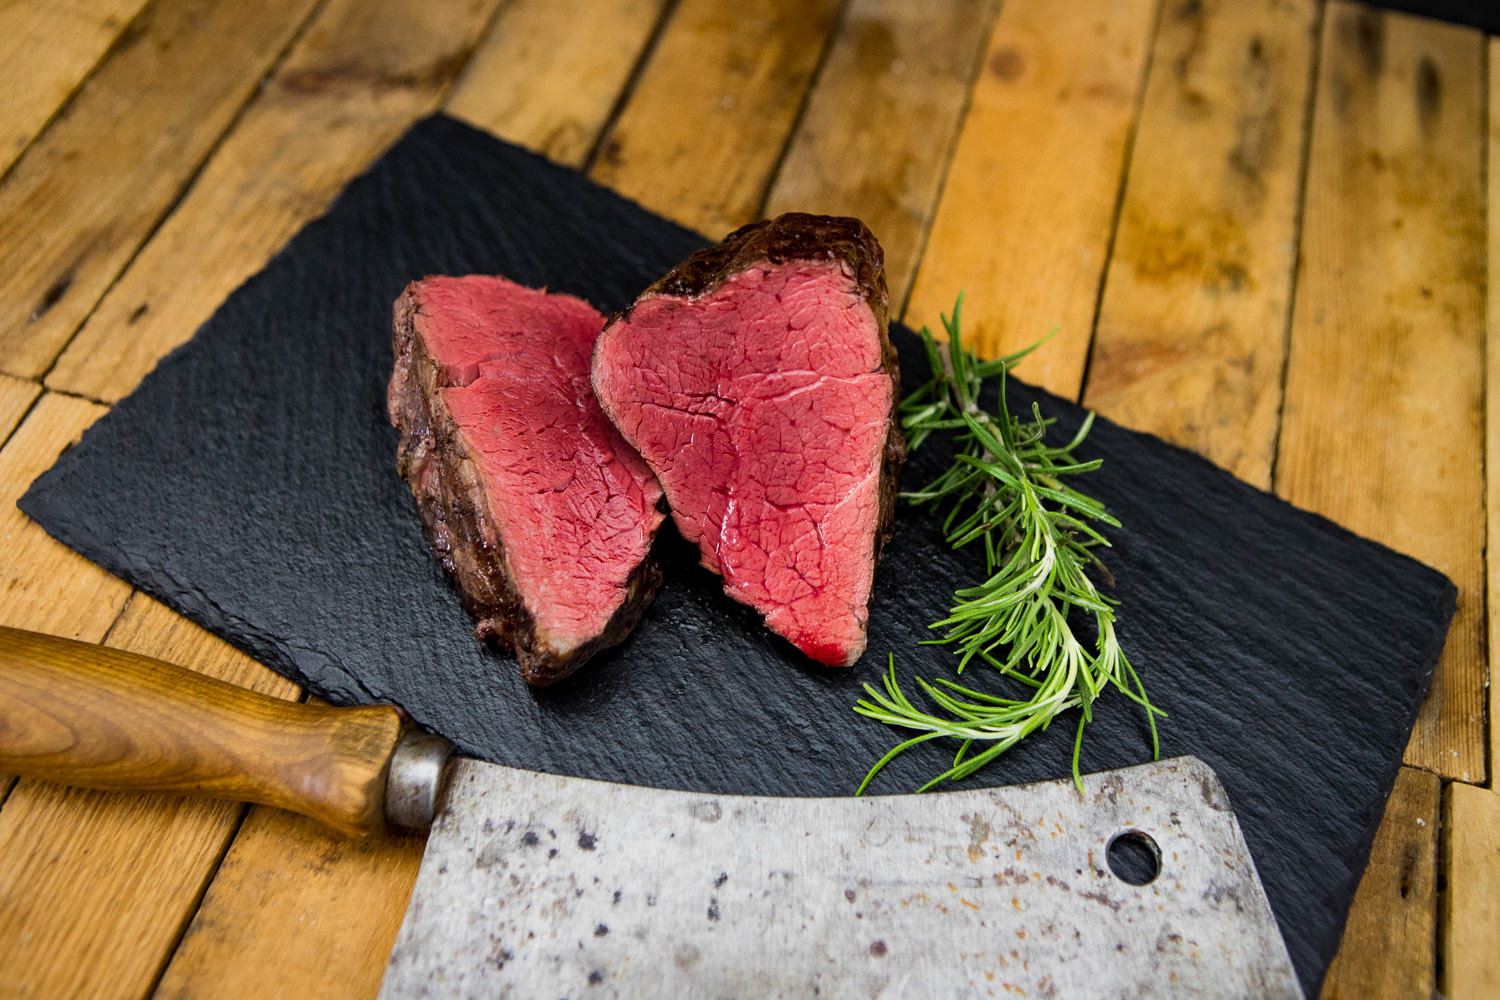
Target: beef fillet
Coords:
[[758, 382], [542, 513]]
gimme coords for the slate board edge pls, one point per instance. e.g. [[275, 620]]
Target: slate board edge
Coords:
[[1313, 983]]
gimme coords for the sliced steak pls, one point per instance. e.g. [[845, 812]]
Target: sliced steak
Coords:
[[544, 516], [758, 381]]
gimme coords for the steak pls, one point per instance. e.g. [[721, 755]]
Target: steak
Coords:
[[758, 381], [541, 512]]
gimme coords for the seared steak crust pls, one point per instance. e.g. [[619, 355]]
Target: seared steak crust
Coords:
[[447, 483]]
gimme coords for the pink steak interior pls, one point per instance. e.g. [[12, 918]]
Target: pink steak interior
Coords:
[[763, 409], [574, 505]]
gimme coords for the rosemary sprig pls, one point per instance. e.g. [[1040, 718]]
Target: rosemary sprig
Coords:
[[1005, 489]]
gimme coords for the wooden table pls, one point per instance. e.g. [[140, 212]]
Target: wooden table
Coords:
[[1260, 226]]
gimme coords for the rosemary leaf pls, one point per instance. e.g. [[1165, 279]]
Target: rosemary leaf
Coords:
[[1006, 489]]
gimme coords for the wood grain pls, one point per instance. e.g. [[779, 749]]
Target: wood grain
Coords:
[[1492, 402], [47, 587], [46, 48], [1471, 816], [96, 717], [578, 54], [108, 892], [16, 397], [359, 892], [701, 135], [345, 901], [1024, 222], [1387, 949], [880, 122], [97, 886], [75, 209], [1471, 903], [320, 910], [1190, 340], [1381, 426], [356, 80], [359, 76]]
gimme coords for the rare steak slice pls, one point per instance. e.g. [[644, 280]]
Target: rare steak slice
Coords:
[[542, 513], [758, 382]]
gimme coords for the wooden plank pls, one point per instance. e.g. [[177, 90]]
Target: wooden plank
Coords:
[[700, 137], [362, 73], [320, 909], [96, 886], [46, 48], [1492, 401], [1023, 224], [1471, 903], [1381, 425], [1190, 341], [578, 54], [16, 397], [47, 587], [1388, 949], [881, 119], [17, 469], [81, 201], [1471, 816]]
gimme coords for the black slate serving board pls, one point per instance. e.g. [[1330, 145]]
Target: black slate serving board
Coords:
[[250, 484]]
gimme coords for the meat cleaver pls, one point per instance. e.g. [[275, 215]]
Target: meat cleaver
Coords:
[[537, 885]]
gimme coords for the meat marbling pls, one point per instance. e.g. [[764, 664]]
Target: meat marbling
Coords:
[[758, 381], [544, 516]]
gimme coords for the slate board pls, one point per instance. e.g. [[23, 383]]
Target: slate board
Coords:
[[250, 484]]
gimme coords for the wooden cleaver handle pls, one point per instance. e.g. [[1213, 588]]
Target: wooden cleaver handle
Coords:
[[88, 715]]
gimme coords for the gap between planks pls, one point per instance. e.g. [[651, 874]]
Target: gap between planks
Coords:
[[1189, 339], [1025, 212], [267, 181], [197, 946], [168, 975], [711, 111], [1469, 923], [1384, 358], [637, 70], [173, 901], [76, 207], [879, 122], [1470, 915], [1132, 130], [48, 52], [817, 81], [1389, 946]]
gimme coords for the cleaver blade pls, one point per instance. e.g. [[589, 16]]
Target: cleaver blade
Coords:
[[536, 885]]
